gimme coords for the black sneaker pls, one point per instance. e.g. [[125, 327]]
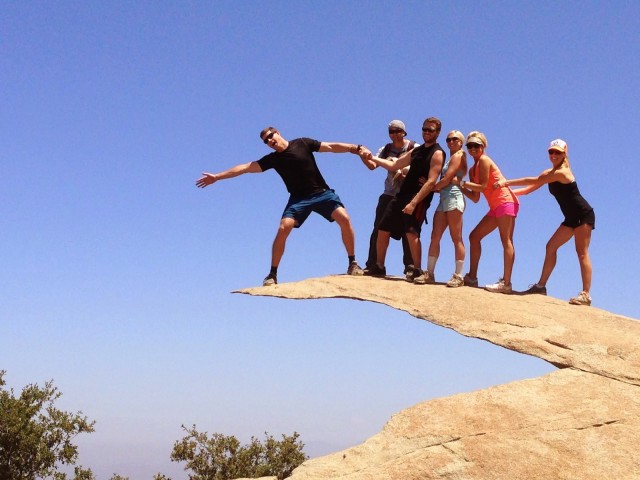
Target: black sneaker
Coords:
[[376, 271], [470, 282], [536, 289], [408, 269], [269, 280], [354, 269], [413, 274]]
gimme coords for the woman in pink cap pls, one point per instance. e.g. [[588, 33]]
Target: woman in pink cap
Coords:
[[579, 218], [503, 210]]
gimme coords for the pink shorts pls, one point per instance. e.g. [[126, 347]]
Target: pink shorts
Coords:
[[509, 208]]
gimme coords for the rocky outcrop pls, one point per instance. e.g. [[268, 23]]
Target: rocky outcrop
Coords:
[[579, 422]]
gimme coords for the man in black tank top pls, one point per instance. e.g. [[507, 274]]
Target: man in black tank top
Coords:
[[408, 209], [294, 162]]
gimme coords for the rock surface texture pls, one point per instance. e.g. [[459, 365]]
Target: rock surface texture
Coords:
[[579, 422]]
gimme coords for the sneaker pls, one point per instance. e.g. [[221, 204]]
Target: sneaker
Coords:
[[500, 287], [456, 281], [582, 299], [470, 282], [425, 278], [535, 288], [354, 269], [376, 271], [408, 269], [269, 280], [413, 274]]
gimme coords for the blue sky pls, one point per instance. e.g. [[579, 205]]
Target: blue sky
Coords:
[[117, 271]]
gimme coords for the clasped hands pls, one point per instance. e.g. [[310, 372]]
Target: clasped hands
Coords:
[[366, 156]]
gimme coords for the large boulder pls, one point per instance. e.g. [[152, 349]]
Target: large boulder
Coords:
[[579, 422]]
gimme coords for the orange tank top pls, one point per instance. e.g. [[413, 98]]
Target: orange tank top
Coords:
[[495, 196]]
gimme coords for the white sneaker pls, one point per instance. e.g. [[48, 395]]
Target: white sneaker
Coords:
[[582, 299], [456, 281], [500, 287], [425, 278]]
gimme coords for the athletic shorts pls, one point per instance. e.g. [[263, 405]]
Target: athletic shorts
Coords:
[[450, 202], [588, 217], [509, 208], [324, 203], [397, 223]]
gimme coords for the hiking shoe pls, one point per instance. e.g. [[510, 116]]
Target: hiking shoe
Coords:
[[470, 282], [270, 279], [354, 269], [375, 271], [500, 287], [582, 299], [456, 281], [425, 278], [535, 288], [413, 274], [408, 269]]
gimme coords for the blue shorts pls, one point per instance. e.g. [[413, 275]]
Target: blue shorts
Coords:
[[451, 201], [324, 203]]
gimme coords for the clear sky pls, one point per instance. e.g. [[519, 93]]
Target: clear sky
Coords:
[[116, 271]]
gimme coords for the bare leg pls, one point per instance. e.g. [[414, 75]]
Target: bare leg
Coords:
[[583, 239], [439, 226], [277, 250], [416, 248], [341, 217], [484, 228], [506, 225], [561, 236], [454, 220]]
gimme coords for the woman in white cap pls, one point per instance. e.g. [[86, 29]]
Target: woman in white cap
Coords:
[[579, 218], [449, 211], [503, 210]]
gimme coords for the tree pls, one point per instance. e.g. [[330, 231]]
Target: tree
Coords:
[[36, 437], [221, 457]]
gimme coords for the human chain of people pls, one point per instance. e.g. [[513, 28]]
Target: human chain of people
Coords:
[[416, 172]]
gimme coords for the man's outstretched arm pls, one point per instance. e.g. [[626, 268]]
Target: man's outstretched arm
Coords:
[[336, 147], [209, 178]]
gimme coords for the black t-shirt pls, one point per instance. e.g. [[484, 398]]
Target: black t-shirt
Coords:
[[297, 167], [420, 166]]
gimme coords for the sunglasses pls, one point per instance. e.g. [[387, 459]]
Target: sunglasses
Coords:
[[397, 130], [555, 152], [471, 146], [430, 130], [269, 137], [451, 139]]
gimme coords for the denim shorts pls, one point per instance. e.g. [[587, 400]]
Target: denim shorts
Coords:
[[323, 203], [449, 202]]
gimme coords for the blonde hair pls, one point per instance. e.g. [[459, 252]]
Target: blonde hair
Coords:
[[479, 135], [456, 133]]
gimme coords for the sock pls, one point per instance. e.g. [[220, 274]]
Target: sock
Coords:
[[459, 267], [352, 258], [273, 271], [431, 264]]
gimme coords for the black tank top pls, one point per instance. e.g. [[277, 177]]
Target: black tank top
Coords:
[[572, 204], [420, 166]]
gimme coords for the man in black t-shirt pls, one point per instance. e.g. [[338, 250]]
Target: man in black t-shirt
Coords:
[[294, 162]]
